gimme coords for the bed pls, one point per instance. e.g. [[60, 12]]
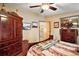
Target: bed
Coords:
[[53, 48]]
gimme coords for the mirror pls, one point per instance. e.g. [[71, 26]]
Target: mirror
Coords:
[[70, 22]]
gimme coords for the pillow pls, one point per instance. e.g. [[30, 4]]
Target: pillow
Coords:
[[68, 46], [47, 46], [51, 43]]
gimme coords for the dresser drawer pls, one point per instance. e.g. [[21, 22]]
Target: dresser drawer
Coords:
[[16, 47], [4, 51], [12, 49], [3, 44]]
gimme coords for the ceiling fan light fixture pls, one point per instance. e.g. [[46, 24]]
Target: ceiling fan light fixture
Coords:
[[3, 7], [45, 7]]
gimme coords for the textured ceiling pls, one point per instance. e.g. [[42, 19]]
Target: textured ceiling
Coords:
[[61, 8]]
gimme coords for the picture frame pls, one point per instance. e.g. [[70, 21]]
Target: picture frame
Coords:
[[26, 26], [34, 24], [56, 24]]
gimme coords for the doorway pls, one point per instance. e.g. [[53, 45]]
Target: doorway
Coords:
[[44, 30]]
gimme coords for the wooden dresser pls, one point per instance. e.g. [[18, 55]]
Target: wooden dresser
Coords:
[[10, 33], [69, 35]]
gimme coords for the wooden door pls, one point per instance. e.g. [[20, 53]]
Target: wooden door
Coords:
[[19, 29], [44, 30], [11, 27], [5, 28]]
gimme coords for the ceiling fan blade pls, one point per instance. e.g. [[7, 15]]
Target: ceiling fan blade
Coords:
[[42, 11], [34, 6], [52, 8], [51, 3]]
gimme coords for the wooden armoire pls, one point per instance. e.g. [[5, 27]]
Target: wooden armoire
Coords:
[[10, 33]]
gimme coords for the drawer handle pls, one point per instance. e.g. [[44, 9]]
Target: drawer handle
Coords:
[[5, 49]]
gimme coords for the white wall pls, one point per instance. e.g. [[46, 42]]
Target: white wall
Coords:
[[32, 35], [56, 18]]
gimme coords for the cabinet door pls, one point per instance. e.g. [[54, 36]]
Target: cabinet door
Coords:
[[11, 28], [5, 28], [19, 29]]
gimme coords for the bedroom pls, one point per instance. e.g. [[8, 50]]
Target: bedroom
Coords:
[[43, 26]]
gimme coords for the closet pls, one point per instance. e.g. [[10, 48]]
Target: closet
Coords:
[[10, 33]]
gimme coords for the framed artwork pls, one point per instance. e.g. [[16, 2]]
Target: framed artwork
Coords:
[[34, 24], [26, 26], [56, 24]]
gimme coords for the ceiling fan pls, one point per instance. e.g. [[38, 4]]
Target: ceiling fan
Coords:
[[45, 6]]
